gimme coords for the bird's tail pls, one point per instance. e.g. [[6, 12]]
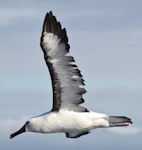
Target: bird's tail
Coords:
[[117, 121]]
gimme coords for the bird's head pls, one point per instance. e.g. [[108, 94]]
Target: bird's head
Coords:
[[34, 124], [25, 128]]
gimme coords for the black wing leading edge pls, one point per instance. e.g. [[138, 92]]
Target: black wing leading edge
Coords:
[[67, 81]]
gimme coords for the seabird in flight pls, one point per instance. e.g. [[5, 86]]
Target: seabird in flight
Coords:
[[67, 115]]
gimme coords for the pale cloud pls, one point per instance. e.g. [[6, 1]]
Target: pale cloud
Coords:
[[126, 131], [12, 15]]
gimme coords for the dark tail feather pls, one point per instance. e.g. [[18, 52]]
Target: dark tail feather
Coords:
[[117, 121]]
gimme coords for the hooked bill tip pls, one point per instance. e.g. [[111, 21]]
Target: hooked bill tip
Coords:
[[10, 137], [22, 130]]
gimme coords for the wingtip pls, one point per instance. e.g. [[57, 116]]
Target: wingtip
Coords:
[[51, 24], [50, 12]]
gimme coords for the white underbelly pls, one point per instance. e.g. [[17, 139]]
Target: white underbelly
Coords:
[[65, 121]]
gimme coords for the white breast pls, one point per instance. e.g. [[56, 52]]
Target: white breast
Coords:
[[65, 121]]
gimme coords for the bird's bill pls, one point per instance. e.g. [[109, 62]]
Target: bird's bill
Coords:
[[22, 130]]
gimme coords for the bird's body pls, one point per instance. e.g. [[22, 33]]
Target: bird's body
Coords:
[[67, 114], [68, 121]]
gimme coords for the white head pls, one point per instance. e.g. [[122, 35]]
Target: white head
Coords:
[[30, 125]]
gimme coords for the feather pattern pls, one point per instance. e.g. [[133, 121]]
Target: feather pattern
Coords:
[[67, 81]]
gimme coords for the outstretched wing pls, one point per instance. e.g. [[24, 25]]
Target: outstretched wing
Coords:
[[67, 82]]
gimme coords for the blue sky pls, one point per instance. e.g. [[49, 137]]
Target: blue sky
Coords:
[[105, 39]]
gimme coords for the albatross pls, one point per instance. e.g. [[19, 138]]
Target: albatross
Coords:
[[67, 114]]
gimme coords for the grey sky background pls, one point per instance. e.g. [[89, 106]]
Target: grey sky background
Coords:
[[106, 41]]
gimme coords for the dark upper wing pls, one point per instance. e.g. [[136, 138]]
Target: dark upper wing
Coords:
[[67, 82]]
